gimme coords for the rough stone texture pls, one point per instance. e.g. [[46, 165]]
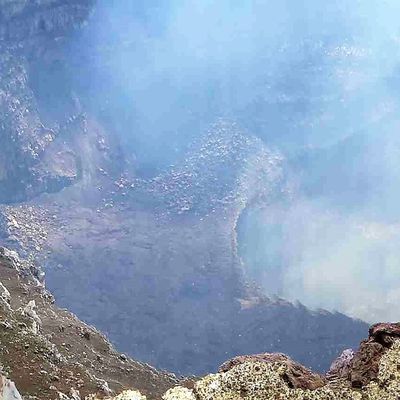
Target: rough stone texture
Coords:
[[296, 375], [365, 364], [341, 367], [5, 297], [255, 380], [130, 395], [385, 333], [366, 361]]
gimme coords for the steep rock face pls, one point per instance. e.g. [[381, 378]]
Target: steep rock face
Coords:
[[364, 366], [47, 351], [44, 147]]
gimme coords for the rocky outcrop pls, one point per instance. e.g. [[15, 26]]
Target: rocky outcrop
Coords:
[[384, 333], [365, 363], [341, 367], [296, 376], [266, 377], [261, 376]]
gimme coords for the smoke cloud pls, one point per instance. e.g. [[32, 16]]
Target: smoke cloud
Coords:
[[318, 80]]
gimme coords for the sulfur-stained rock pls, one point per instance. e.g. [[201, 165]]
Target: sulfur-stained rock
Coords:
[[386, 386]]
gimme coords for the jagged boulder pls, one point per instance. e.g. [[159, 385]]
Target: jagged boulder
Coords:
[[341, 367], [30, 312], [130, 395], [365, 363], [125, 395], [296, 375], [385, 333]]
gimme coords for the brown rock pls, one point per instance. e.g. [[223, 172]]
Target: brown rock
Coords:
[[385, 333], [296, 376], [365, 364]]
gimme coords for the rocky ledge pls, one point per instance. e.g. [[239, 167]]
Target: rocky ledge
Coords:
[[373, 372]]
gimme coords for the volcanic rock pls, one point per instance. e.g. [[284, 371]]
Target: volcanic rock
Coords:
[[341, 367], [365, 363], [296, 375]]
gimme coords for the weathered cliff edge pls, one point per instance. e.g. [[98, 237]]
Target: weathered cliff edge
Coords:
[[47, 353]]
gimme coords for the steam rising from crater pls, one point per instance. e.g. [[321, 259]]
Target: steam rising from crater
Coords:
[[319, 81]]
